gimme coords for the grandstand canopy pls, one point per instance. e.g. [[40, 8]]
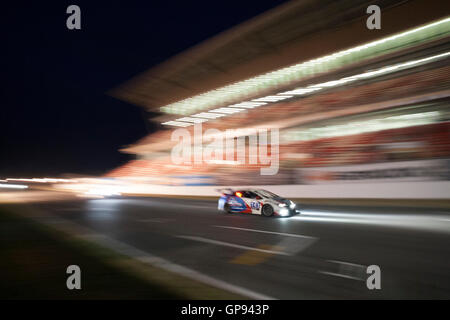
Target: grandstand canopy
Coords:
[[287, 35]]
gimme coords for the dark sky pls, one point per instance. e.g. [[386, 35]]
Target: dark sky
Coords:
[[55, 114]]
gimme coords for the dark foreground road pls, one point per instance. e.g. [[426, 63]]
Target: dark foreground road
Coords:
[[321, 254]]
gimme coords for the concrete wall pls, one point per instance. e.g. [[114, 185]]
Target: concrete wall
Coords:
[[392, 190]]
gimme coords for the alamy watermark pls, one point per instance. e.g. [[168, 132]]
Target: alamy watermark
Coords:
[[74, 20], [74, 280], [227, 147], [374, 280], [374, 20]]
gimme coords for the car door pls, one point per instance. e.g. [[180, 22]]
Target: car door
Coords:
[[245, 196], [240, 202], [252, 200]]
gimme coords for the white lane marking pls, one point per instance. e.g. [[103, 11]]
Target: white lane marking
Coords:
[[346, 263], [421, 222], [347, 270], [175, 268], [269, 232], [130, 251], [227, 244], [340, 275], [294, 244]]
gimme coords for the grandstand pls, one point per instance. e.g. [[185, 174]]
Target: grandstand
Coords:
[[379, 97]]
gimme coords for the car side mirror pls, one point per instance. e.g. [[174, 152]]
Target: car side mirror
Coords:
[[258, 198]]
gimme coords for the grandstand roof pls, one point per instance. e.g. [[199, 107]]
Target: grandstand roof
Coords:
[[291, 33]]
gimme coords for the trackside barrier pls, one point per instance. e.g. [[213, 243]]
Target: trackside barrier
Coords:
[[427, 190]]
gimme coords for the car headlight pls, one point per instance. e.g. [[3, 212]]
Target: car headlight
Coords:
[[284, 212], [292, 205], [282, 204]]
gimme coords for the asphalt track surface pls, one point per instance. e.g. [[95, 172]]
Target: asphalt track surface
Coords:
[[323, 253]]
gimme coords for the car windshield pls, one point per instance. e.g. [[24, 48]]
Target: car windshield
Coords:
[[267, 194]]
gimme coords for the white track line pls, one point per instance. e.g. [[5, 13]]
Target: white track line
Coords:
[[347, 263], [340, 275], [269, 232], [172, 267], [292, 245], [346, 269], [232, 245], [130, 251]]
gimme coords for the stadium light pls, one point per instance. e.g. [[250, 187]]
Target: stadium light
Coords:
[[248, 104], [208, 115], [311, 88], [227, 110], [373, 125], [177, 123], [193, 120], [285, 76], [272, 98], [366, 75]]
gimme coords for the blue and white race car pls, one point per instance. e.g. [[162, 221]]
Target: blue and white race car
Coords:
[[255, 201]]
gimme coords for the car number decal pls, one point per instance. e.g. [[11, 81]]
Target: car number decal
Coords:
[[255, 205]]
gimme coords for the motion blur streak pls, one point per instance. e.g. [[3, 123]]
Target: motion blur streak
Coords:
[[13, 186], [438, 223], [41, 180]]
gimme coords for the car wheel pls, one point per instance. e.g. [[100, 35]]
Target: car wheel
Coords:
[[226, 208], [267, 210]]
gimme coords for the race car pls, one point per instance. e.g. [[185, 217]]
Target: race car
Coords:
[[255, 201]]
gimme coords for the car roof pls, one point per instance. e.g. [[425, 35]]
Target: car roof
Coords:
[[252, 189]]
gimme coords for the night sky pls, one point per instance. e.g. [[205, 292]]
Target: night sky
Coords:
[[56, 117]]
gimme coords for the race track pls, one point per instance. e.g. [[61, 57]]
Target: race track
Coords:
[[322, 253]]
